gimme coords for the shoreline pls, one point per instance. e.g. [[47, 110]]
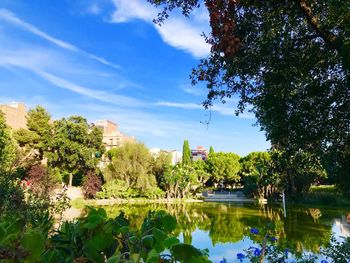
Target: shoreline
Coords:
[[105, 202]]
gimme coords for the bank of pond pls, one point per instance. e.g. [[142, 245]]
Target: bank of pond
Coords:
[[225, 228]]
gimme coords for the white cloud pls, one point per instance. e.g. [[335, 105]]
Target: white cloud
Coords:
[[223, 109], [193, 90], [38, 63], [177, 31], [11, 18]]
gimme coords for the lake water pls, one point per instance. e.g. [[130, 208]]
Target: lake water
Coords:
[[224, 228]]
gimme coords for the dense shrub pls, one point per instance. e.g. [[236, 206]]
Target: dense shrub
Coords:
[[92, 184], [116, 189]]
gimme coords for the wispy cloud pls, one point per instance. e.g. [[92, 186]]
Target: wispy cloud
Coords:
[[223, 109], [38, 62], [11, 18], [193, 90], [177, 31]]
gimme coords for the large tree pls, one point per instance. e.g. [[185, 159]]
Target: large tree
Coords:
[[290, 60], [75, 147]]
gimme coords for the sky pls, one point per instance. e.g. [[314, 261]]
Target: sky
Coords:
[[105, 59]]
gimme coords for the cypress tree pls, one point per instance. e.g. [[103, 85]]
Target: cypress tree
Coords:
[[186, 153]]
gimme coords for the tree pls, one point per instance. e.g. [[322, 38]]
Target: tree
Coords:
[[298, 171], [259, 178], [180, 181], [75, 146], [7, 146], [289, 60], [159, 165], [211, 150], [131, 163], [37, 137], [224, 167], [186, 153]]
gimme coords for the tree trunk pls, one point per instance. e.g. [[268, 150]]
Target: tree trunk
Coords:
[[70, 179]]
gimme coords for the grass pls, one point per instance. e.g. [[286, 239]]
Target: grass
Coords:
[[324, 195]]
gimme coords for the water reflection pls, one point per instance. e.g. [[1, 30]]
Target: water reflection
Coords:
[[223, 227]]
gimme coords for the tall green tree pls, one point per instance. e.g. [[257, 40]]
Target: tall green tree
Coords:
[[38, 135], [289, 60], [7, 146], [211, 150], [186, 153], [75, 147]]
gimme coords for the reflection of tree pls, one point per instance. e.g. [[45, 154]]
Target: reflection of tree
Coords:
[[230, 223]]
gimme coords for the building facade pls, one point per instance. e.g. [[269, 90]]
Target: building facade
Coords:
[[15, 115], [176, 156], [112, 137], [200, 153]]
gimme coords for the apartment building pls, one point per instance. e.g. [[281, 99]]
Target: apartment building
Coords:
[[112, 137], [15, 115]]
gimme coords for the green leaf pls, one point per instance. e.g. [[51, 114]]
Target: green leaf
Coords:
[[185, 252], [153, 256], [170, 241], [33, 242], [148, 240]]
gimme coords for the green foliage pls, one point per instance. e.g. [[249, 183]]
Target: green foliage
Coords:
[[259, 178], [7, 146], [74, 145], [298, 170], [211, 151], [37, 137], [132, 164], [224, 167], [116, 189], [186, 153], [290, 61], [96, 238], [181, 180]]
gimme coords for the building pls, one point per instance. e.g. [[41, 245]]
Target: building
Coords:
[[15, 115], [112, 137], [176, 156], [200, 153]]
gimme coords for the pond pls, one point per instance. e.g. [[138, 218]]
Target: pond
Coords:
[[224, 228]]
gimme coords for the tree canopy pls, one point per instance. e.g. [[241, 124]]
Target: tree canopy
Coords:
[[288, 60], [75, 146]]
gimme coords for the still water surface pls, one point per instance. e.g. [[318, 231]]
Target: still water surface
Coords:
[[224, 228]]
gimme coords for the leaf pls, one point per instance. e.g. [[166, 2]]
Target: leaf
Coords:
[[34, 242], [185, 252], [152, 257], [148, 240], [170, 241]]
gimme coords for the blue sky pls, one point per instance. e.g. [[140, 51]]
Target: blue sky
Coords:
[[105, 59]]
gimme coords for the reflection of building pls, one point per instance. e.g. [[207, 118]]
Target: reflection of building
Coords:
[[344, 225], [112, 137], [15, 115], [176, 156], [200, 153]]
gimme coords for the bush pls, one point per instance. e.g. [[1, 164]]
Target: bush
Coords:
[[116, 189], [92, 184], [153, 193]]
